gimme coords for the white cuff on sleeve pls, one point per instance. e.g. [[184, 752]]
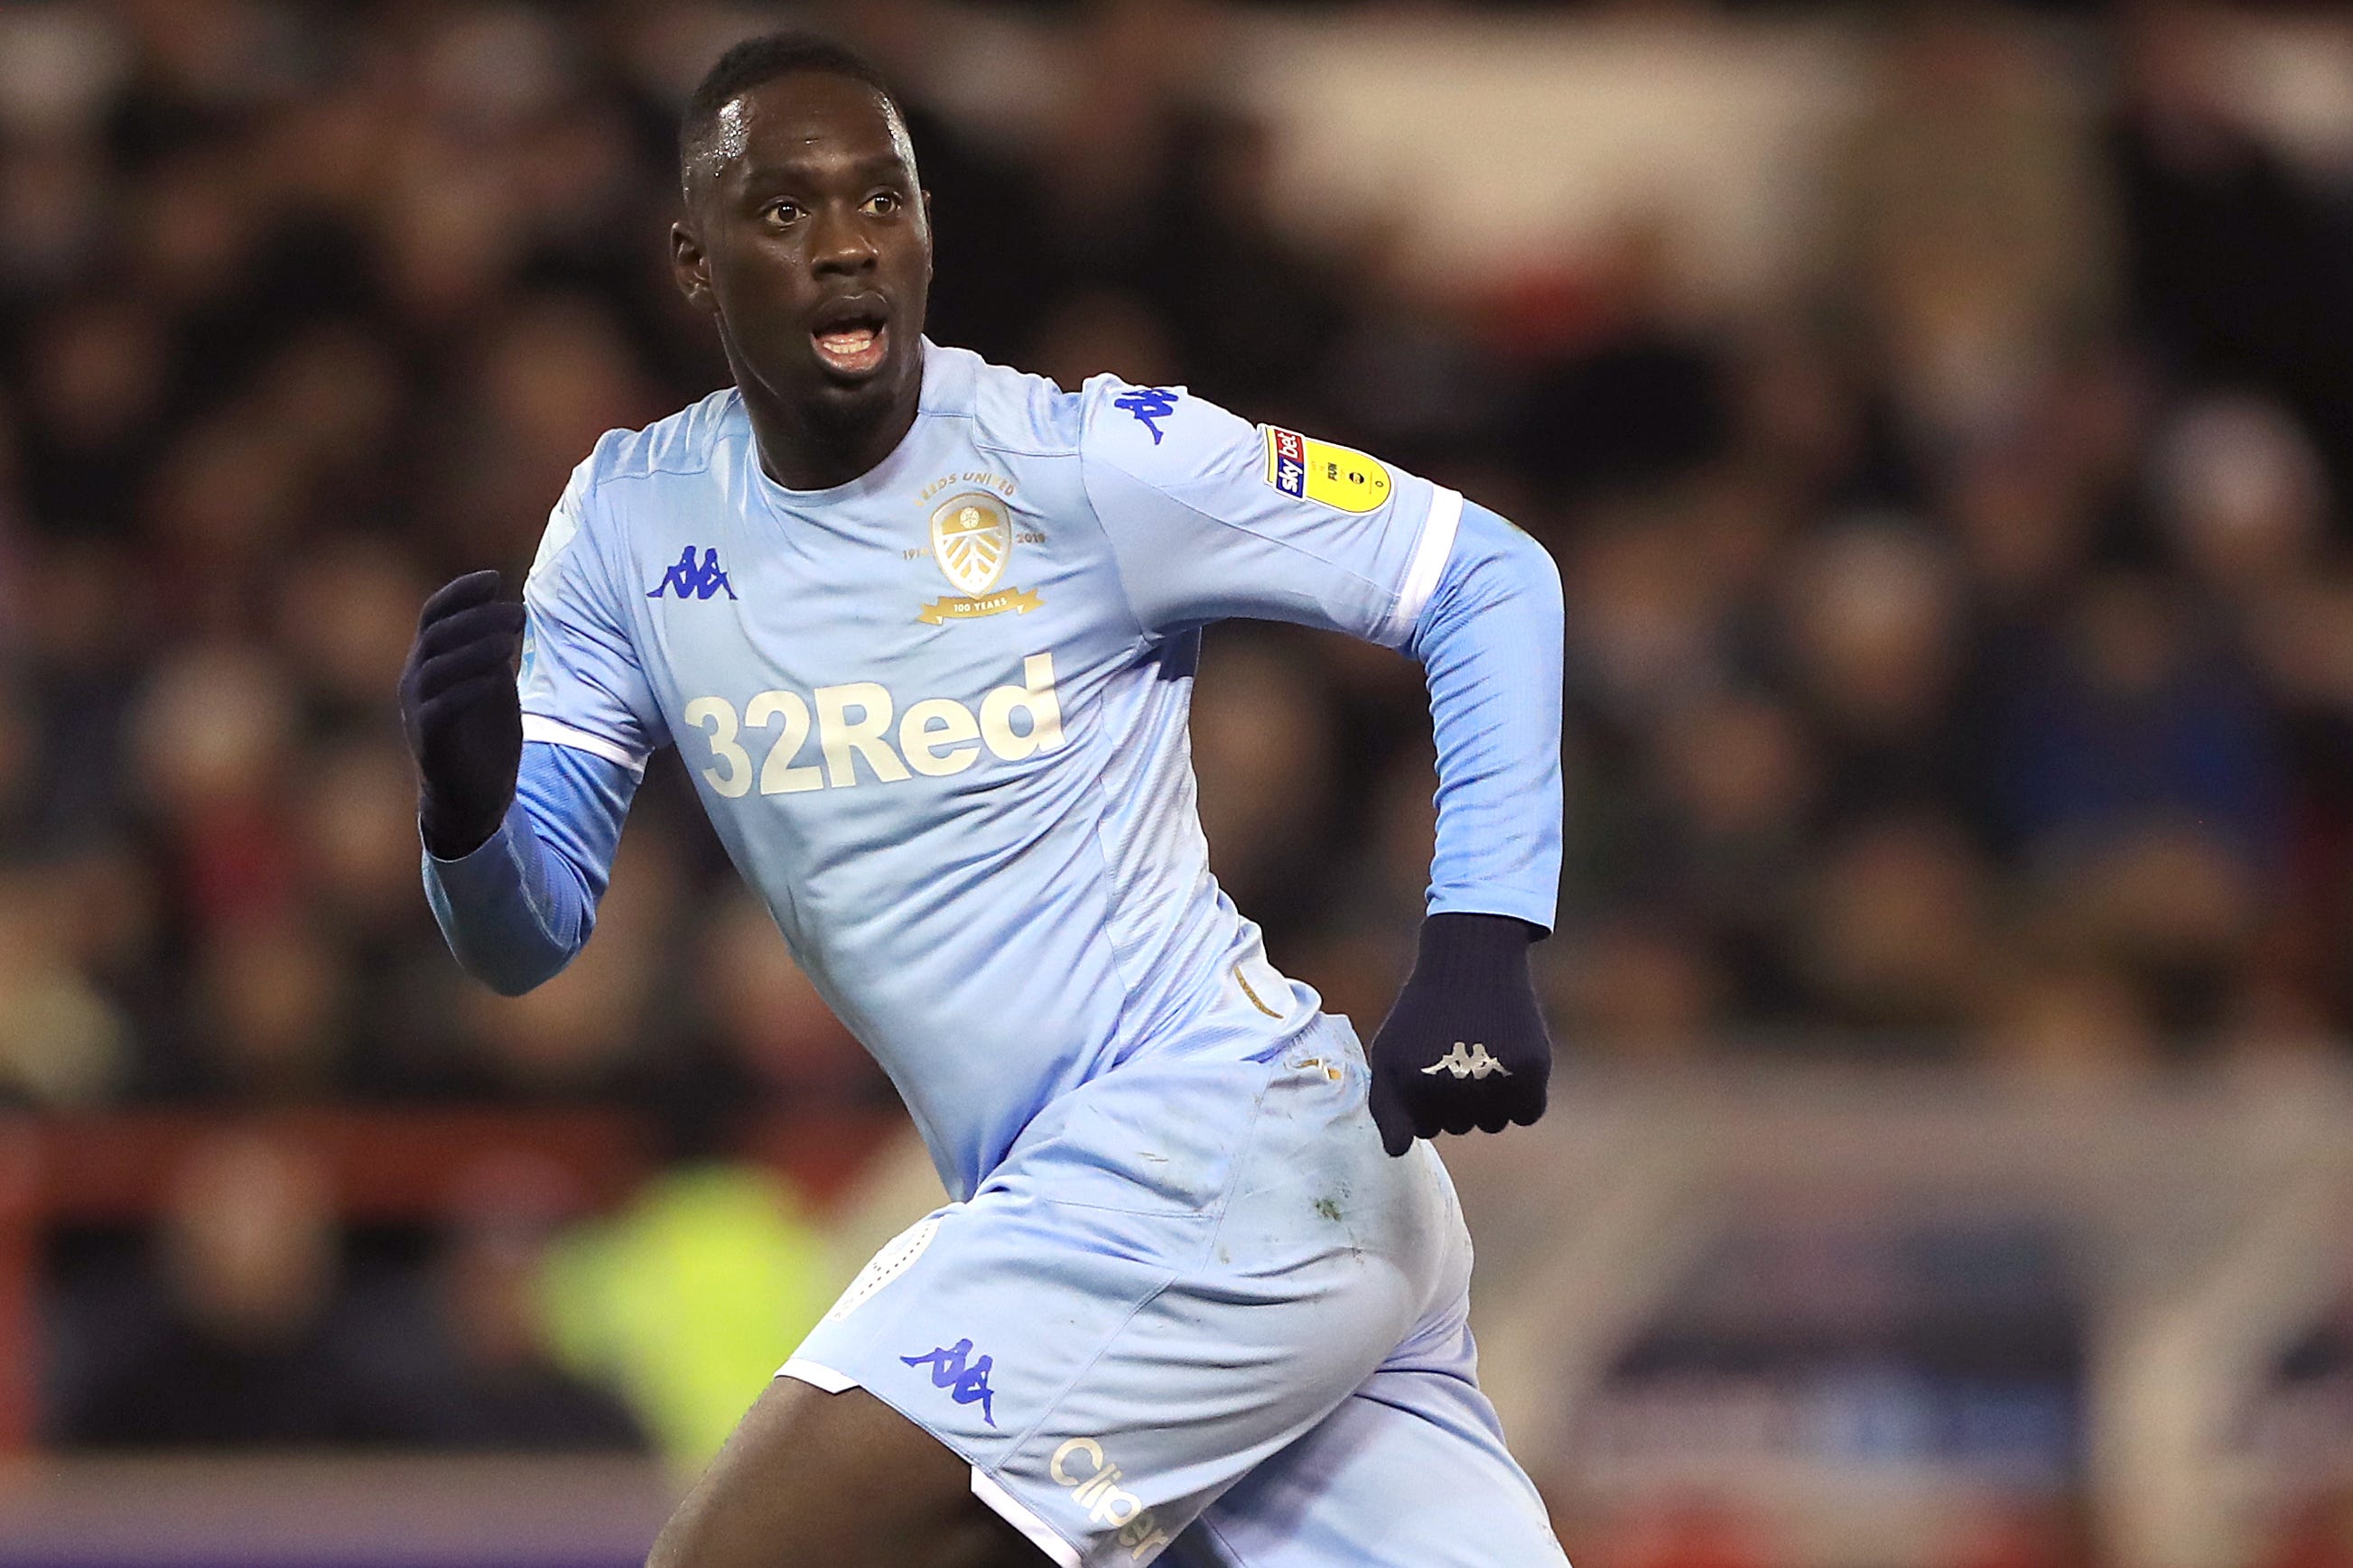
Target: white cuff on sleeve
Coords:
[[537, 728], [1430, 554]]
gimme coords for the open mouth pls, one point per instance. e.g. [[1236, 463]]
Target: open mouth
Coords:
[[852, 336]]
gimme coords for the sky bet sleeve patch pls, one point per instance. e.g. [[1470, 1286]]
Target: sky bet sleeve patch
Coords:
[[1336, 476]]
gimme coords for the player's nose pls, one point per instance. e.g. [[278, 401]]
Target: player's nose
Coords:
[[840, 244]]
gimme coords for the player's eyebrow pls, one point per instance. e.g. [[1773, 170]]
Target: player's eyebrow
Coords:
[[801, 171]]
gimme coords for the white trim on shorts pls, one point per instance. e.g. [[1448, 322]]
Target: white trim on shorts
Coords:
[[1012, 1509], [816, 1375], [984, 1487]]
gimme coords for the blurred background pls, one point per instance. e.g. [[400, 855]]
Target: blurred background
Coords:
[[1943, 417]]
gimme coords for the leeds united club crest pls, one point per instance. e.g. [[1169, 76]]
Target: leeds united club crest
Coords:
[[972, 539]]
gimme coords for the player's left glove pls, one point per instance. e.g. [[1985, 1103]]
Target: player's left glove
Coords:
[[1465, 1045], [460, 712]]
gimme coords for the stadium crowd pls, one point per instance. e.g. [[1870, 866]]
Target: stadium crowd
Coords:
[[1960, 643]]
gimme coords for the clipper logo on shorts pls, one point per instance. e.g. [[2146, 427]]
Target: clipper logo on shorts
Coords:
[[1079, 1465], [967, 1384]]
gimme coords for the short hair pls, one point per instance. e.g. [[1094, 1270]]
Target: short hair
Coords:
[[762, 59]]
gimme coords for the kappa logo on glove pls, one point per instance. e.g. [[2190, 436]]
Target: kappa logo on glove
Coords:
[[1468, 1062], [1471, 986]]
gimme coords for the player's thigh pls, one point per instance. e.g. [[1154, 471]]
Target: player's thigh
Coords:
[[835, 1480], [1409, 1472], [1176, 1273]]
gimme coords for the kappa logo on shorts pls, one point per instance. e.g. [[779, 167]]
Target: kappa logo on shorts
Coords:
[[1468, 1062], [1081, 1464], [967, 1383]]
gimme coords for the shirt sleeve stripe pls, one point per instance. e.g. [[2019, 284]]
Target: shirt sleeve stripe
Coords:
[[1430, 554], [536, 728]]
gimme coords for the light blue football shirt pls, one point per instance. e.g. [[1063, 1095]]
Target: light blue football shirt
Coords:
[[937, 714]]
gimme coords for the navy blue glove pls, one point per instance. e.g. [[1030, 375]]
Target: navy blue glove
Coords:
[[1465, 1045], [461, 714]]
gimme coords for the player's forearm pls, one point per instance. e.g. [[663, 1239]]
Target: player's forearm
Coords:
[[515, 910], [1490, 642]]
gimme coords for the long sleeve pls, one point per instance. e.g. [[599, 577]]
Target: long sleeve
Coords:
[[1209, 518], [516, 910], [1490, 644]]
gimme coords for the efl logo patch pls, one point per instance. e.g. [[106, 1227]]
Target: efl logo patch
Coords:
[[1336, 476]]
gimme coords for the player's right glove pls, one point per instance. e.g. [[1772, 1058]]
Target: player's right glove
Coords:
[[460, 711], [1465, 1045]]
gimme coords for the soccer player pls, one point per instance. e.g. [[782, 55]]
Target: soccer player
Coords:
[[924, 629]]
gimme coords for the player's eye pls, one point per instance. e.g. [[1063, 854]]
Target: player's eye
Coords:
[[882, 203], [781, 212]]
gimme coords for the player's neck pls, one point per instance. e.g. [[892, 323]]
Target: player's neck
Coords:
[[812, 447]]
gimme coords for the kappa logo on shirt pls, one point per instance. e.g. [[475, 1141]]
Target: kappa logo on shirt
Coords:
[[689, 581], [1150, 405], [966, 1381]]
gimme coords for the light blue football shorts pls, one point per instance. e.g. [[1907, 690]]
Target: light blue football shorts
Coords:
[[1199, 1310]]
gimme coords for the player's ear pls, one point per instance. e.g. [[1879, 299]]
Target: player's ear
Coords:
[[927, 236], [690, 265]]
